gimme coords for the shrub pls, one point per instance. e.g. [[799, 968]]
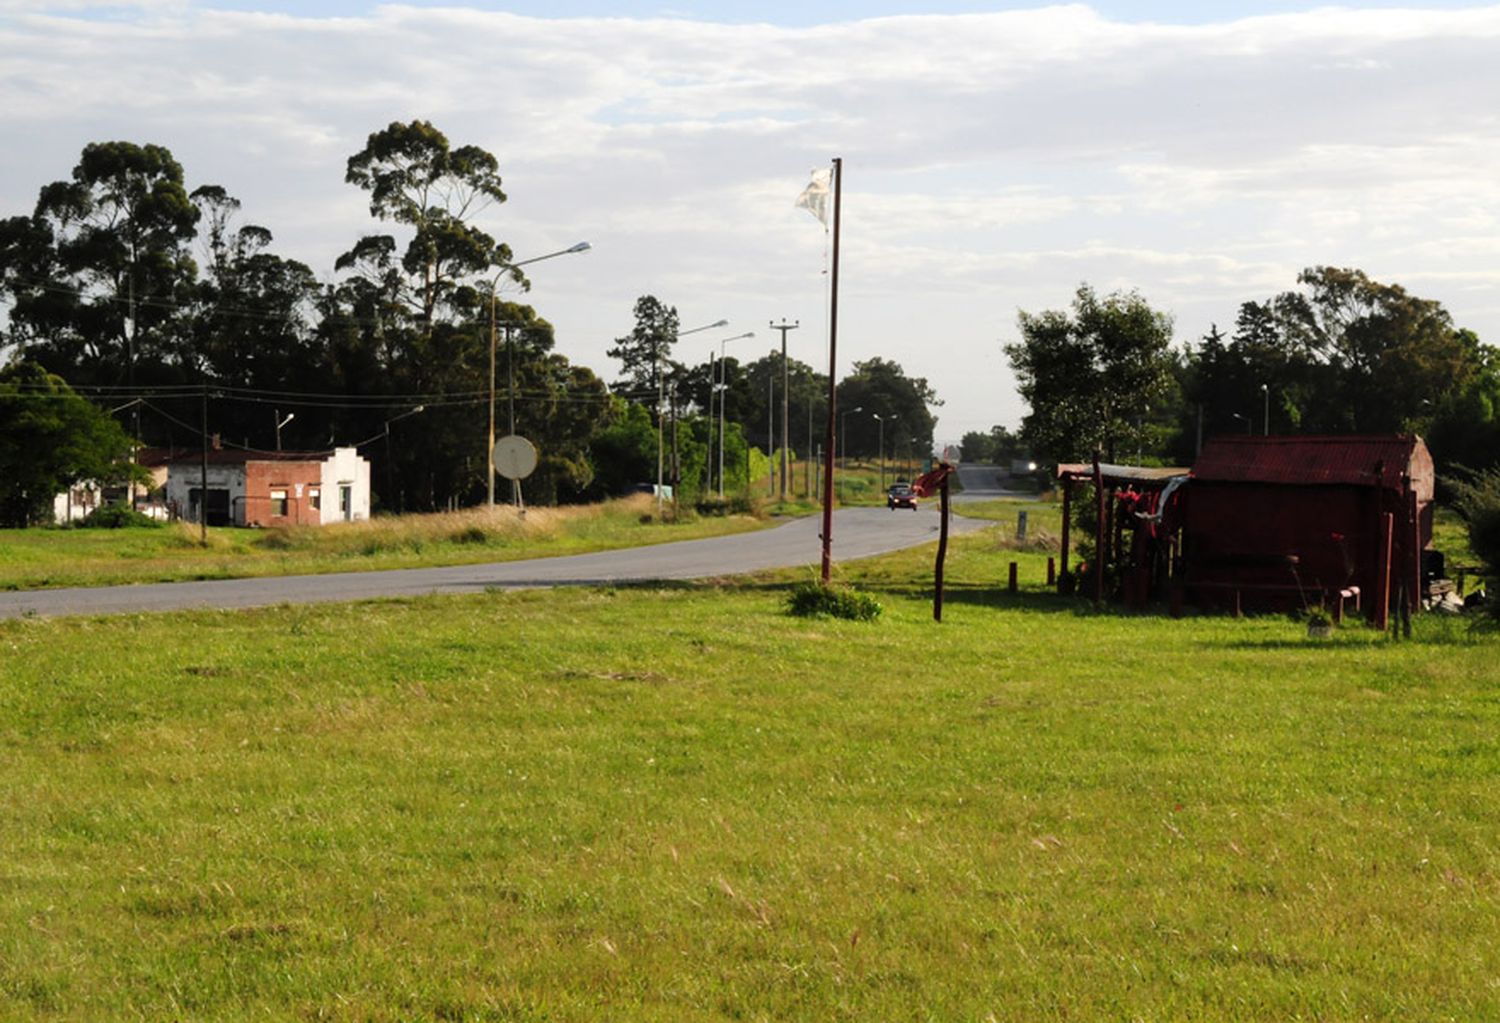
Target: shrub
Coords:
[[733, 504], [1476, 495], [810, 600], [117, 516]]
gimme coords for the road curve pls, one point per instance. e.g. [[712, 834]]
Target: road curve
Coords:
[[857, 533]]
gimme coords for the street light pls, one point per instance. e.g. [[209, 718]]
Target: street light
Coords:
[[276, 413], [1265, 395], [1244, 419], [843, 437], [844, 444], [880, 445], [721, 384], [510, 357], [389, 468], [661, 407]]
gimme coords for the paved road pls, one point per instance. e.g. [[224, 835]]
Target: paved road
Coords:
[[857, 533], [983, 483]]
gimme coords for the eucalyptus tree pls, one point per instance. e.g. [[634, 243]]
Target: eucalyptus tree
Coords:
[[100, 272]]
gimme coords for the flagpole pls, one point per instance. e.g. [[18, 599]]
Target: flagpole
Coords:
[[833, 343]]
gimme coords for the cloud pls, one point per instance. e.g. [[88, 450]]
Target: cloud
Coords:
[[993, 161]]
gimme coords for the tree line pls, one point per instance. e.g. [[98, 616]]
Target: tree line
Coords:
[[145, 300], [1339, 354]]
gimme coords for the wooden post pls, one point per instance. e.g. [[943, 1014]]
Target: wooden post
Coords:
[[1013, 585], [1100, 537], [942, 553], [1383, 572], [1414, 540], [1067, 516], [1051, 571]]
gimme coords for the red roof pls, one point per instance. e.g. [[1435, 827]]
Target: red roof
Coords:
[[1326, 461]]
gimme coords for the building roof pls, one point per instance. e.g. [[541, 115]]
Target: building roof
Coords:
[[1326, 461], [1114, 475], [240, 456]]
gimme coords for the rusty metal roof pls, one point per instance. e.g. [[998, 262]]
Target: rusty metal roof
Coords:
[[1326, 461], [1114, 475]]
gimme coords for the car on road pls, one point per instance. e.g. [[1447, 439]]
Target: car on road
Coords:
[[901, 495]]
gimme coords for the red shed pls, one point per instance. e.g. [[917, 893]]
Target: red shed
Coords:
[[1280, 521]]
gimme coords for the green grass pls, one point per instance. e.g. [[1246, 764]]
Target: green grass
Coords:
[[679, 803], [49, 558]]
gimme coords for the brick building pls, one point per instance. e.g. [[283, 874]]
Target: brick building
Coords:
[[270, 488]]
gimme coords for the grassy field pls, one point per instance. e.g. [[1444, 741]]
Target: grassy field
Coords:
[[679, 804], [43, 558]]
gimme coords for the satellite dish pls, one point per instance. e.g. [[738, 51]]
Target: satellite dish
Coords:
[[515, 457]]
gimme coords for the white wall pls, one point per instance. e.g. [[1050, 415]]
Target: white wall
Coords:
[[183, 477], [345, 467]]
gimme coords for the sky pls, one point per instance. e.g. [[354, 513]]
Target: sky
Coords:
[[996, 155]]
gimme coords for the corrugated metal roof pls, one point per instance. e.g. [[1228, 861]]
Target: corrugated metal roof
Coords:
[[1328, 461], [1116, 474]]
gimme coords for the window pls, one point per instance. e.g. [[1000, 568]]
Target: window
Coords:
[[314, 498], [278, 502]]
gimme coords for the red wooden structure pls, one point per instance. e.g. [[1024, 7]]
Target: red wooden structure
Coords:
[[1276, 522]]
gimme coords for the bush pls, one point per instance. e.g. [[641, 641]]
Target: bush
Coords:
[[117, 516], [1476, 495], [733, 504], [810, 600]]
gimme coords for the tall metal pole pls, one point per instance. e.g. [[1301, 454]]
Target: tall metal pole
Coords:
[[660, 400], [489, 454], [786, 392], [708, 482], [1265, 393], [510, 399], [489, 457], [722, 396], [203, 477], [833, 337], [771, 430]]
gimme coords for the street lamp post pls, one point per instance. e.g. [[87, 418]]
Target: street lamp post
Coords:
[[844, 444], [1244, 419], [510, 357], [390, 477], [1265, 395], [661, 406], [722, 386], [880, 445], [786, 393], [280, 423]]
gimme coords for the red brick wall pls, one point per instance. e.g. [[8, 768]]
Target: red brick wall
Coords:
[[263, 477]]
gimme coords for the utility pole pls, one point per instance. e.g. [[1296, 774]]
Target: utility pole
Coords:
[[786, 432]]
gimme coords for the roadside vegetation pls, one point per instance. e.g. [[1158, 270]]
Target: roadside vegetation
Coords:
[[679, 802], [49, 558]]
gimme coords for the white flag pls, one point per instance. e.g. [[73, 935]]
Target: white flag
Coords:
[[814, 198]]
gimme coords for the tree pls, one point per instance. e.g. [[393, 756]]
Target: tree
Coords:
[[643, 352], [1091, 377], [1387, 354], [101, 269], [1345, 355], [50, 440], [879, 386], [416, 178]]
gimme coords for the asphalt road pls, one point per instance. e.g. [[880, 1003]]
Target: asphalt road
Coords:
[[857, 533], [982, 483]]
